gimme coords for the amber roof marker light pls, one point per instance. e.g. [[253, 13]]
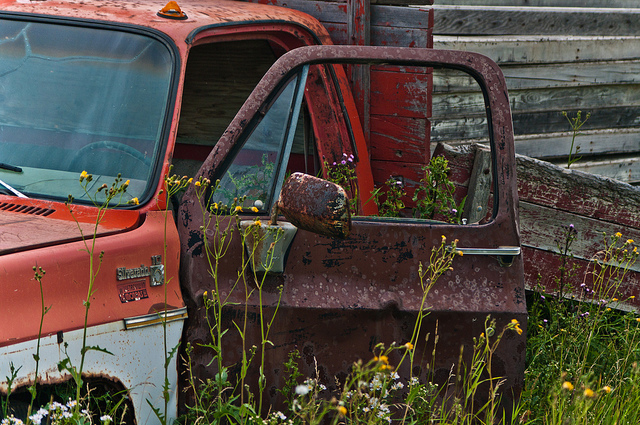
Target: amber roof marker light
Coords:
[[172, 11]]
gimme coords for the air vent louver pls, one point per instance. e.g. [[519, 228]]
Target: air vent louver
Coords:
[[26, 209]]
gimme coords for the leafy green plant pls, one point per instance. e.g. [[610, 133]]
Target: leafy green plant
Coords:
[[389, 198], [435, 194], [343, 173], [576, 124]]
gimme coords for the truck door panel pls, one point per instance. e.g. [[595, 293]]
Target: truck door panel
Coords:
[[341, 297]]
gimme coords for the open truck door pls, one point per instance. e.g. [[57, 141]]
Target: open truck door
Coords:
[[333, 299]]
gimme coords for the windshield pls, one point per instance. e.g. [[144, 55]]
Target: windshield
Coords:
[[76, 99]]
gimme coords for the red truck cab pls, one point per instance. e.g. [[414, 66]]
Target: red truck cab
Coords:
[[130, 88]]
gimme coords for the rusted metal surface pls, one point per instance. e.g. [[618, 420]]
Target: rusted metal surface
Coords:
[[341, 297], [316, 205]]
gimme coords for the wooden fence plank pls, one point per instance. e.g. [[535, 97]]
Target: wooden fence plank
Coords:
[[470, 126], [538, 49], [498, 20], [596, 142], [623, 169], [547, 3], [537, 76]]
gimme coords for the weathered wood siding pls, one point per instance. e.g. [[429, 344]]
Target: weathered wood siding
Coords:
[[394, 104], [554, 59]]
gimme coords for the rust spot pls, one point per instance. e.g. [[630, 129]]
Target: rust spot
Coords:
[[316, 205]]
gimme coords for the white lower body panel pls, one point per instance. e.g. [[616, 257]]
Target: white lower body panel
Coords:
[[137, 362]]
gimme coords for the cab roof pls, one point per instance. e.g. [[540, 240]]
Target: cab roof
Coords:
[[200, 13]]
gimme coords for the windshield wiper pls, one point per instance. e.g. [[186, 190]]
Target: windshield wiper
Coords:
[[12, 190], [10, 167]]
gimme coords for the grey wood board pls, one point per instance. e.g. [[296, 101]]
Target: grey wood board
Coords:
[[542, 76], [537, 122], [546, 3], [623, 169], [596, 142], [588, 99], [498, 20], [535, 49]]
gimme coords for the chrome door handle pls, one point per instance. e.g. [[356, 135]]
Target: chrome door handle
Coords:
[[505, 254], [502, 250]]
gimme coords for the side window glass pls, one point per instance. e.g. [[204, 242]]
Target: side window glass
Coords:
[[255, 176]]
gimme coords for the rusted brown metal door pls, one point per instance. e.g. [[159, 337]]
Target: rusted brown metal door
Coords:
[[339, 298]]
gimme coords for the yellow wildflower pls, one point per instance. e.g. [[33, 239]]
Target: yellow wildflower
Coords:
[[134, 201], [606, 389], [444, 238], [197, 183], [205, 294], [566, 385], [516, 326], [460, 253], [618, 235], [614, 299], [83, 175], [190, 180], [384, 359], [408, 346], [588, 392], [254, 209], [632, 297], [238, 208], [257, 223], [342, 410], [608, 309], [637, 319], [629, 241]]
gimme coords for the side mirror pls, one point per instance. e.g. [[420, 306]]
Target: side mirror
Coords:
[[316, 205]]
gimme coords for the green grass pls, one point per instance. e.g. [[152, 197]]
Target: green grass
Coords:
[[582, 352]]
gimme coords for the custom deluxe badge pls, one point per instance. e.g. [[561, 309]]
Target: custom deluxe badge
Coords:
[[132, 291]]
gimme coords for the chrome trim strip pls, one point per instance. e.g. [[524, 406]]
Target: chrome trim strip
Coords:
[[155, 318], [503, 250]]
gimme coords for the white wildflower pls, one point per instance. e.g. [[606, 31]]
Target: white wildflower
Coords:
[[302, 389]]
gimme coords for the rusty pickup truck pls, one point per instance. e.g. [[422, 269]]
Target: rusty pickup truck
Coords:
[[230, 91]]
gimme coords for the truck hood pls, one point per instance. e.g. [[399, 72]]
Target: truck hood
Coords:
[[34, 224]]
